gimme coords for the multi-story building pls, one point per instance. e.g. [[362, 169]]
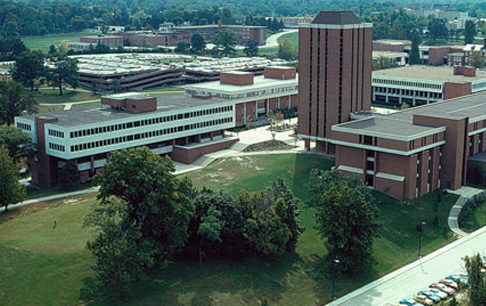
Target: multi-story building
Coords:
[[243, 33], [413, 152], [253, 96], [334, 74], [294, 21], [184, 126], [419, 85]]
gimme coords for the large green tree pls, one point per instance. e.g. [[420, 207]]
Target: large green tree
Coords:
[[476, 290], [68, 175], [29, 67], [11, 191], [469, 32], [197, 43], [14, 101], [63, 69], [437, 28], [18, 143], [286, 50], [251, 48], [156, 200], [225, 42], [414, 52], [348, 222], [182, 47]]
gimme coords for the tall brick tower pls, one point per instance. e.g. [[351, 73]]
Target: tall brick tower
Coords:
[[335, 55]]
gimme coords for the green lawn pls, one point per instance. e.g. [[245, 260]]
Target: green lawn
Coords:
[[35, 256], [476, 220], [84, 105], [50, 108], [293, 38], [45, 41], [51, 96]]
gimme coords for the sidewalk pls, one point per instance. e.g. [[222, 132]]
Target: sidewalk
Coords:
[[465, 193]]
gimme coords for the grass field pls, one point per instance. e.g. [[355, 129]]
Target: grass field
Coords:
[[50, 108], [45, 266], [293, 38], [51, 96], [45, 41]]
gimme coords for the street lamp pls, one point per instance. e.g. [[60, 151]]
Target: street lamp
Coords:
[[334, 267], [420, 228]]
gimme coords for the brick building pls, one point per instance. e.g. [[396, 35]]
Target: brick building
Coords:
[[243, 33], [183, 126], [413, 152], [419, 85], [335, 56]]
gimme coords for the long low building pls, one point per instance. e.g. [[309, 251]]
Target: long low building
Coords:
[[419, 85], [413, 152], [184, 126]]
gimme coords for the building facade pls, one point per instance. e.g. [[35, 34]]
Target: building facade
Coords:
[[107, 40], [410, 153], [335, 57]]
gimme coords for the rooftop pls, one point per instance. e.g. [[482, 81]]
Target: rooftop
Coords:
[[431, 73], [393, 42], [83, 116], [336, 17], [401, 123], [259, 82]]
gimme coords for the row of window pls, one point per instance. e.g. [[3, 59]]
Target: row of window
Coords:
[[407, 83], [129, 125], [55, 133], [24, 126], [56, 147], [407, 92], [242, 95], [116, 140]]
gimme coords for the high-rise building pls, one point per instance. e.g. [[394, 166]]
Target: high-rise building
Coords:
[[335, 56]]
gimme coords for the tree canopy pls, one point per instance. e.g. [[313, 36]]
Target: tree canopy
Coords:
[[18, 143], [469, 32], [286, 51], [11, 191], [197, 43], [476, 291], [29, 66], [224, 41], [63, 70], [14, 101], [251, 48]]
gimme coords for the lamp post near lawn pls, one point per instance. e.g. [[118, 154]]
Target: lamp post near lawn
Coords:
[[420, 228], [334, 267]]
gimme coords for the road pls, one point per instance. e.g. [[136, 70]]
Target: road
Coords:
[[272, 41], [405, 282]]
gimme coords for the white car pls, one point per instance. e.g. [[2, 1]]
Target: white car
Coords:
[[441, 294]]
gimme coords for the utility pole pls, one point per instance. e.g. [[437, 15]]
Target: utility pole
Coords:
[[334, 268]]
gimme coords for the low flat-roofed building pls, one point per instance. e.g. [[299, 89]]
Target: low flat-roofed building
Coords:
[[418, 85], [391, 45], [107, 40], [254, 96], [413, 152], [397, 58]]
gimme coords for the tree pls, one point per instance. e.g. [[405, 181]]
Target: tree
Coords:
[[29, 66], [121, 257], [14, 101], [10, 48], [476, 291], [251, 48], [217, 227], [286, 51], [414, 52], [437, 28], [469, 32], [18, 143], [476, 59], [383, 63], [226, 16], [182, 47], [349, 224], [198, 44], [11, 191], [68, 176], [156, 201], [63, 70], [225, 41]]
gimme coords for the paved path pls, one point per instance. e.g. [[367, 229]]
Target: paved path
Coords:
[[272, 40], [405, 282], [465, 193]]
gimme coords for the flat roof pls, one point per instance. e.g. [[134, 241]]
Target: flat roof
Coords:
[[97, 114], [393, 42], [128, 95], [259, 82], [401, 123], [432, 73], [377, 53]]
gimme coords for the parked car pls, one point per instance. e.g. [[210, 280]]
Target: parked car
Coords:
[[443, 288], [423, 299], [449, 283], [458, 279], [434, 297], [409, 302], [439, 293]]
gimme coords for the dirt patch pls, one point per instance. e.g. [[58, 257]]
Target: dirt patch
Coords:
[[270, 145]]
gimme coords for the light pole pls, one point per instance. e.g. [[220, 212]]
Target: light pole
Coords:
[[420, 228], [334, 266]]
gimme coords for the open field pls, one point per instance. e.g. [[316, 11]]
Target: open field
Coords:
[[45, 41], [51, 96], [41, 265]]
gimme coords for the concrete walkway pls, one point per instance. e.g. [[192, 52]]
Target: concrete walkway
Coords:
[[465, 193]]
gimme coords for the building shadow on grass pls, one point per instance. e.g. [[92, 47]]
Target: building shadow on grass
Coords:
[[221, 282]]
